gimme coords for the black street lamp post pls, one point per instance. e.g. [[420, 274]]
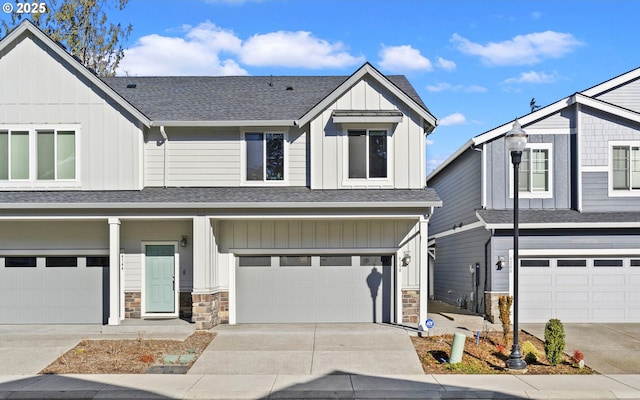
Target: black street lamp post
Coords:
[[516, 141]]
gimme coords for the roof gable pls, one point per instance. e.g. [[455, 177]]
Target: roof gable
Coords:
[[26, 27]]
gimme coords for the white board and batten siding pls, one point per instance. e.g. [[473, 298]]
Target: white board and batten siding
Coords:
[[406, 150], [212, 157], [44, 89]]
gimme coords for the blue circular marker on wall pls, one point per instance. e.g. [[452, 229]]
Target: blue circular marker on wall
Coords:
[[429, 323]]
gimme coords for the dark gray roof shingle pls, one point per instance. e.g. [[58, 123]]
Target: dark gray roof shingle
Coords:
[[557, 216], [233, 98], [227, 197]]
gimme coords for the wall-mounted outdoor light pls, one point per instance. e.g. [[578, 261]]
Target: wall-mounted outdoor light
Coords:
[[406, 259], [183, 241]]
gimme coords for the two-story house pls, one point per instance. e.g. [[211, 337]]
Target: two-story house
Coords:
[[579, 202], [226, 199]]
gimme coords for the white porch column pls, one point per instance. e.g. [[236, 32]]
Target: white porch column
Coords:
[[114, 271], [201, 254], [424, 269]]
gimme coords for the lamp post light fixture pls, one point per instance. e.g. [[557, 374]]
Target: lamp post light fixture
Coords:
[[516, 140]]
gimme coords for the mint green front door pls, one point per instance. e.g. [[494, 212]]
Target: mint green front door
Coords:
[[160, 278]]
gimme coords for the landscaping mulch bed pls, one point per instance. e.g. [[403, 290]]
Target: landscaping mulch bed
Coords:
[[133, 356], [488, 357]]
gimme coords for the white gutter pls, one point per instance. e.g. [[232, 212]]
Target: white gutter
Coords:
[[242, 123], [164, 158]]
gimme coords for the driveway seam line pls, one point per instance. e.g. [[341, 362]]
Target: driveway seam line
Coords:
[[313, 348]]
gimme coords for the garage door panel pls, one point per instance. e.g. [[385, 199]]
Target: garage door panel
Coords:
[[574, 296], [608, 280], [572, 279], [539, 280], [572, 314], [313, 294], [609, 297], [608, 314]]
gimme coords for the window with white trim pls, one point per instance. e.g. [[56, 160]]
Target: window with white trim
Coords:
[[625, 168], [368, 153], [264, 156], [535, 171], [38, 155]]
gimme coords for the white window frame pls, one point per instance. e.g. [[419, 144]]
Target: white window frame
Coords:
[[364, 182], [243, 158], [33, 181], [547, 194], [620, 192]]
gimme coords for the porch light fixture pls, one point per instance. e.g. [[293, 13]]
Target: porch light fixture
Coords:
[[516, 140], [406, 259], [183, 241]]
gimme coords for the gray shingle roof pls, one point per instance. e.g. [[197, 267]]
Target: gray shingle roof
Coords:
[[233, 98], [231, 197], [558, 217]]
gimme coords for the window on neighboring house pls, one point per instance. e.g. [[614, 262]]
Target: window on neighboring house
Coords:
[[367, 154], [264, 156], [51, 155], [534, 171], [626, 168]]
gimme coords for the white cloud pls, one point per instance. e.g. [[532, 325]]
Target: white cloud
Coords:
[[295, 49], [446, 64], [429, 142], [442, 86], [207, 49], [536, 15], [453, 119], [197, 53], [533, 77], [522, 49], [403, 58]]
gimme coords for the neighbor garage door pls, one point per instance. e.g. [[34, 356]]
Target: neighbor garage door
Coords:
[[53, 289], [314, 288], [580, 289]]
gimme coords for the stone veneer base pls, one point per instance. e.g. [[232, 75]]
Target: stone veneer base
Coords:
[[492, 309], [209, 310], [410, 306]]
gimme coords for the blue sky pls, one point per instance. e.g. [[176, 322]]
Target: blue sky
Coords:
[[476, 64]]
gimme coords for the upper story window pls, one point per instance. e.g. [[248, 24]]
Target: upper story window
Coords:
[[38, 155], [625, 168], [535, 171], [264, 157], [368, 156]]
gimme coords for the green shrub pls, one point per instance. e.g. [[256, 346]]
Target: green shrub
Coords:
[[554, 341], [529, 352], [504, 304]]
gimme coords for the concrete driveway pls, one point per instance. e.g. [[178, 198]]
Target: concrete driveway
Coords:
[[309, 349], [607, 348]]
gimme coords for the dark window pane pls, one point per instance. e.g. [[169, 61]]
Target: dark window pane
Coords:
[[275, 156], [62, 262], [254, 261], [375, 261], [19, 262], [635, 263], [607, 263], [357, 154], [572, 263], [534, 263], [255, 155], [620, 167], [97, 261], [335, 261], [377, 154], [295, 261]]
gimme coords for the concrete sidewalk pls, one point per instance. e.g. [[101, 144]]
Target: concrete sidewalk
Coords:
[[332, 386]]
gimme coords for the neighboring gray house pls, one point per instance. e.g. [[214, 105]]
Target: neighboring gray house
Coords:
[[223, 199], [579, 212]]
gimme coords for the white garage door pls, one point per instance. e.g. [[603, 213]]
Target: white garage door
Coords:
[[314, 288], [595, 289], [53, 290]]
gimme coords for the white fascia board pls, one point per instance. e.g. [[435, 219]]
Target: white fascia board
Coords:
[[463, 228], [372, 120], [608, 107], [352, 80], [565, 225], [248, 123], [524, 120], [26, 25], [450, 159], [612, 83], [234, 205]]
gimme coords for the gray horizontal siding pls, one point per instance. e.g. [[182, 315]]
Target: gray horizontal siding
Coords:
[[459, 188], [452, 280], [626, 96], [595, 189], [498, 177]]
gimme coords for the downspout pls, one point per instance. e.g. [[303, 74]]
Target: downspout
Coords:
[[164, 157]]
